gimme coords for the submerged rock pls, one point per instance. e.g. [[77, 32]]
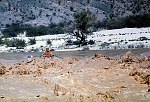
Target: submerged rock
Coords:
[[129, 57], [2, 70], [141, 75]]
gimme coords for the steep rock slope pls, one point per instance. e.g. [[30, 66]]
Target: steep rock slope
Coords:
[[43, 12]]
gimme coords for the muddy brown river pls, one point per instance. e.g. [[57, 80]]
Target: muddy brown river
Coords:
[[79, 76], [6, 58]]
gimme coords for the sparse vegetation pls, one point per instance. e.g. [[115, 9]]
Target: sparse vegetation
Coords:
[[12, 30], [143, 38], [49, 42], [91, 42], [130, 46], [130, 22], [36, 31], [56, 28], [140, 46], [103, 45], [1, 41], [32, 41], [69, 42], [14, 43], [16, 28]]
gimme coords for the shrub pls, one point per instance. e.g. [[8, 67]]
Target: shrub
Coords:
[[32, 41], [142, 38], [129, 21], [1, 41], [76, 42], [91, 42], [56, 28], [16, 28], [71, 8], [140, 46], [12, 30], [49, 42], [69, 42], [14, 43], [130, 46], [36, 31], [105, 44]]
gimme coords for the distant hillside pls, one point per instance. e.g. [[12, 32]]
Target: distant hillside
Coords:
[[44, 12]]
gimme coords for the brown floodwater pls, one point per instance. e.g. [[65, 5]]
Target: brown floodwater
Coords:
[[7, 58], [75, 76]]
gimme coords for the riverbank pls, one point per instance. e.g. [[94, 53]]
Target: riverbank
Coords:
[[124, 38]]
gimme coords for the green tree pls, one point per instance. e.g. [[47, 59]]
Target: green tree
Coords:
[[14, 43], [129, 21], [1, 41], [49, 42], [83, 21], [36, 31], [32, 41], [54, 28], [12, 30]]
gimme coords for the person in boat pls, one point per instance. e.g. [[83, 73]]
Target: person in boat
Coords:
[[47, 53]]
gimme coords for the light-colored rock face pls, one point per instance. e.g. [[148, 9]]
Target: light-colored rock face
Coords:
[[43, 12]]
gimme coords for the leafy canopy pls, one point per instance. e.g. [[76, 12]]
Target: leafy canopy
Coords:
[[84, 20]]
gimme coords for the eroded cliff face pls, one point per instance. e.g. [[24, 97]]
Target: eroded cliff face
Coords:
[[44, 12], [98, 78]]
